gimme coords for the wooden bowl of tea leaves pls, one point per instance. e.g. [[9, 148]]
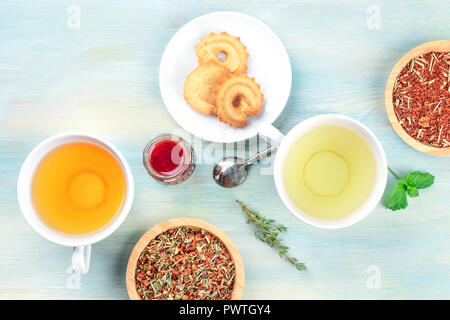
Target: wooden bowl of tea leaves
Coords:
[[417, 98], [185, 259]]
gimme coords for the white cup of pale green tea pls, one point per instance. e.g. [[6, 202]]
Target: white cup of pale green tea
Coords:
[[330, 171]]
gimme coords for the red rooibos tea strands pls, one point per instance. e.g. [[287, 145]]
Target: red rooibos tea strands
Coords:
[[185, 263], [421, 98]]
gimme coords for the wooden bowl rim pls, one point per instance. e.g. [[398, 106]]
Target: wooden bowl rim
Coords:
[[438, 46], [162, 227]]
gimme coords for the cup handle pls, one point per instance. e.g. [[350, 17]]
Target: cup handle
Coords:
[[271, 134], [81, 259]]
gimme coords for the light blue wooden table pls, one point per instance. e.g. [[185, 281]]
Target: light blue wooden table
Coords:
[[103, 78]]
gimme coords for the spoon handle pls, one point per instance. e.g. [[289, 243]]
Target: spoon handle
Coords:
[[260, 155]]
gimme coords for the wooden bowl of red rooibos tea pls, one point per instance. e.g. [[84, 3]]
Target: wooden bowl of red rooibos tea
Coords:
[[185, 259], [417, 98]]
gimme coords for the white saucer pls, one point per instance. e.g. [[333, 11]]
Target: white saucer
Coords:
[[268, 63]]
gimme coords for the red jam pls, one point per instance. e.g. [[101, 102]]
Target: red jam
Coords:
[[167, 157]]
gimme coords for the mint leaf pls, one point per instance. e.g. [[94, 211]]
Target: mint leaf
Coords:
[[398, 199], [412, 182], [413, 191], [419, 179]]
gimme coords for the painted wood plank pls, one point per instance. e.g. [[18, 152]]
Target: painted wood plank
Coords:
[[103, 78]]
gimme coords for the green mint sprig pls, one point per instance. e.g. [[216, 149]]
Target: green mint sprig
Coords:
[[410, 184]]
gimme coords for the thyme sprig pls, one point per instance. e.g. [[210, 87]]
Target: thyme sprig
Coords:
[[267, 231]]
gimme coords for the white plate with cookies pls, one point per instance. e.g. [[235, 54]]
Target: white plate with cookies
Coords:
[[225, 77]]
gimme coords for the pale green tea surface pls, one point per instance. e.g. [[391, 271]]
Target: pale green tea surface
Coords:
[[329, 172]]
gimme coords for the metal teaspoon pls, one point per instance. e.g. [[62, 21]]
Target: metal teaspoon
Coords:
[[232, 171]]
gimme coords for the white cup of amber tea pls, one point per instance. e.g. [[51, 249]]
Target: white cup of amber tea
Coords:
[[330, 171], [75, 190]]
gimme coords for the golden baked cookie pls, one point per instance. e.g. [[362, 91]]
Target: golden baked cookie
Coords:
[[236, 97], [200, 85], [210, 46]]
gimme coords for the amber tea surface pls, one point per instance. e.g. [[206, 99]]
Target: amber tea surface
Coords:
[[78, 188]]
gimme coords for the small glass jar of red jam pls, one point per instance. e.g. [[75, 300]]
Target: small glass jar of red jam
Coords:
[[169, 159]]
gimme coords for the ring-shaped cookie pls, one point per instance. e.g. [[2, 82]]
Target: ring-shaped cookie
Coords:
[[236, 97], [200, 85], [235, 53]]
